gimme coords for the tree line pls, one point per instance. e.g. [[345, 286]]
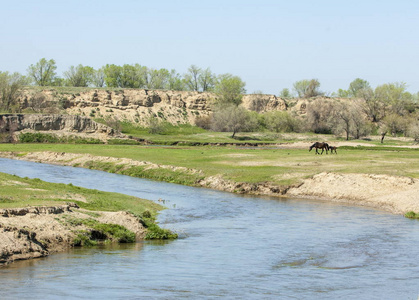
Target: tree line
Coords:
[[43, 73], [355, 112]]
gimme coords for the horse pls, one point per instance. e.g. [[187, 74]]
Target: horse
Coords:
[[333, 148], [318, 145]]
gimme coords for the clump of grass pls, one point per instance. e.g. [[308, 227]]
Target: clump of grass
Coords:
[[154, 231], [98, 232], [412, 215]]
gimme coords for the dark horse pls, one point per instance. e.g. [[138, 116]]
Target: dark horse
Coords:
[[333, 148], [318, 145]]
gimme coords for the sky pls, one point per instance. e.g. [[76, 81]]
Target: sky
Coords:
[[269, 44]]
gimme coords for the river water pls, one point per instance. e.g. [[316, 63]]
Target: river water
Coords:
[[230, 247]]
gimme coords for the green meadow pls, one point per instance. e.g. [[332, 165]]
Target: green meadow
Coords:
[[281, 166]]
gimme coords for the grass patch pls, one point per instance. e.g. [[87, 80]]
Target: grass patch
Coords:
[[412, 215], [20, 192], [95, 232]]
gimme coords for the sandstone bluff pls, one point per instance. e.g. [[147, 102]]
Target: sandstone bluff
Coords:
[[137, 105]]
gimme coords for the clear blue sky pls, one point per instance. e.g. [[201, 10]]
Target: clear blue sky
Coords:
[[269, 44]]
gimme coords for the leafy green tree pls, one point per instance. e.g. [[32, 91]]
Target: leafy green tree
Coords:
[[395, 97], [343, 93], [10, 88], [112, 75], [158, 79], [175, 81], [307, 88], [357, 85], [191, 78], [80, 76], [229, 89], [285, 93], [132, 76], [206, 80], [43, 72], [126, 76]]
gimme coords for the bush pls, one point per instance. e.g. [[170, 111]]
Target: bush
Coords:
[[37, 137]]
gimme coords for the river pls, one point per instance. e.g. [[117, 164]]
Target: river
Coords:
[[230, 247]]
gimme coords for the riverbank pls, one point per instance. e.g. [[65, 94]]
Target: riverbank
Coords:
[[34, 232], [396, 194], [38, 218]]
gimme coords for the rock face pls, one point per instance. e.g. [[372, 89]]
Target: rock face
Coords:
[[139, 105], [263, 103], [41, 122]]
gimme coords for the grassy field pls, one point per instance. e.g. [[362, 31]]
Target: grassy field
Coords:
[[21, 192], [257, 164]]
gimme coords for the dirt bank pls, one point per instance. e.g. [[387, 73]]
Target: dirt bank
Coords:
[[33, 232], [391, 193]]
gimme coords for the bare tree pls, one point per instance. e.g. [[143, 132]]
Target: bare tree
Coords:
[[233, 119], [10, 88]]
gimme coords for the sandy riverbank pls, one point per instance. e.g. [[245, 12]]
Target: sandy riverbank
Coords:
[[33, 232]]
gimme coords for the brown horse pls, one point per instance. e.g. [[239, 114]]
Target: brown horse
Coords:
[[318, 145], [333, 148]]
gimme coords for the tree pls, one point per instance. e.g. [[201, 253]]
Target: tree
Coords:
[[414, 130], [175, 82], [357, 85], [347, 117], [158, 79], [373, 107], [318, 116], [10, 87], [229, 89], [191, 78], [98, 78], [43, 72], [343, 93], [132, 76], [206, 80], [395, 97], [232, 118], [396, 124], [80, 76], [112, 75], [281, 121], [307, 88], [285, 93]]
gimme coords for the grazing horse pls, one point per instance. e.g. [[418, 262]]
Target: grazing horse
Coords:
[[333, 148], [318, 145]]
